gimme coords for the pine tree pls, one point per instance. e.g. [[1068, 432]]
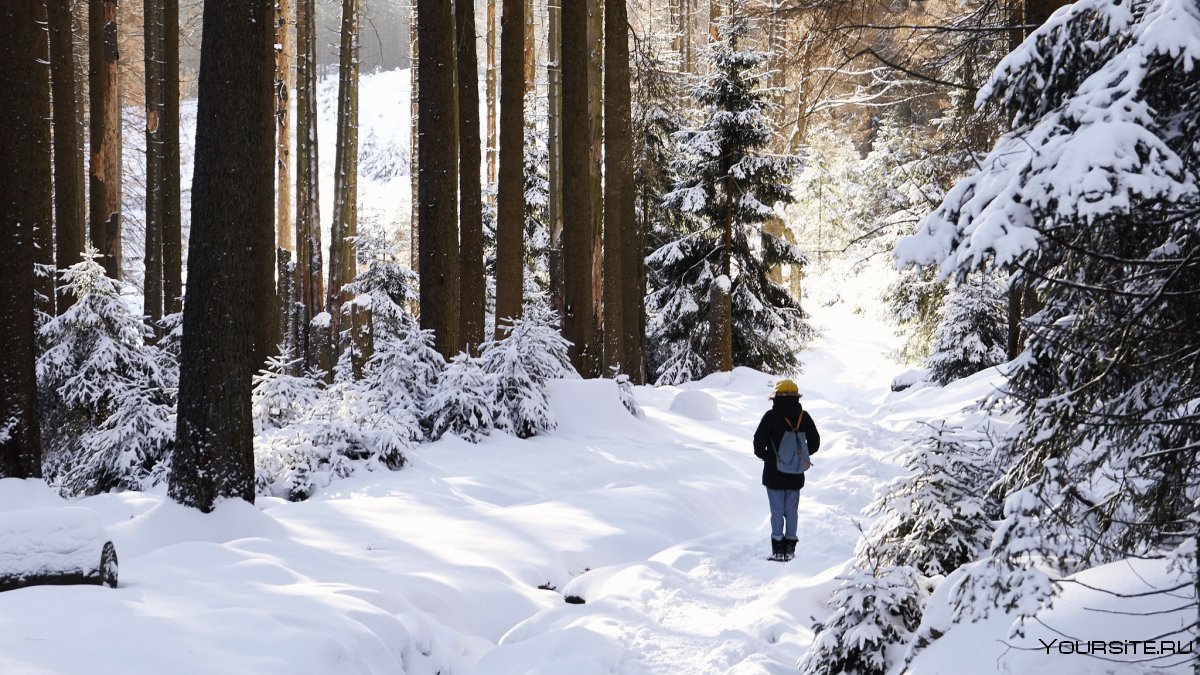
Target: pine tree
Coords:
[[510, 191], [875, 611], [531, 353], [935, 518], [70, 208], [104, 186], [464, 402], [969, 338], [1104, 454], [716, 278], [109, 412]]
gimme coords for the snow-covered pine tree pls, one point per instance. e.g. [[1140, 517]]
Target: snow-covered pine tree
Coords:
[[875, 611], [936, 517], [464, 403], [106, 396], [970, 336], [1094, 198], [537, 204], [729, 185], [532, 352], [280, 397]]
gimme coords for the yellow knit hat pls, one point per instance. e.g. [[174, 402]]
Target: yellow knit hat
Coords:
[[786, 388]]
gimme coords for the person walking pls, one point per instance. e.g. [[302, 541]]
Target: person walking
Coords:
[[783, 479]]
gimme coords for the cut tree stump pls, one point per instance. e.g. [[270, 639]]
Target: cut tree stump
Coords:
[[55, 547]]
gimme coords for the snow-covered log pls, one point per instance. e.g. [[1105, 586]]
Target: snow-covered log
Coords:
[[55, 546]]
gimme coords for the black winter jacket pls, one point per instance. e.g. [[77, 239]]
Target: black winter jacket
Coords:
[[770, 432]]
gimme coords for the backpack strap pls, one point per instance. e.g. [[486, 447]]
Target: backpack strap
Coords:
[[795, 428]]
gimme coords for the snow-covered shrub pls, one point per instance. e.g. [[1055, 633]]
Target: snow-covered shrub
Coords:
[[625, 391], [935, 518], [532, 352], [464, 403], [970, 336], [107, 397], [875, 611], [279, 397], [310, 433]]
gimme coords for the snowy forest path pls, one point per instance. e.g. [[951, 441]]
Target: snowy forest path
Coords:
[[715, 604]]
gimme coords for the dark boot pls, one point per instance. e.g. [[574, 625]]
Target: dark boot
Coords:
[[789, 548], [777, 548]]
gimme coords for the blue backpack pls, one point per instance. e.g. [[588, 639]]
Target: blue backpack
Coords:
[[792, 454]]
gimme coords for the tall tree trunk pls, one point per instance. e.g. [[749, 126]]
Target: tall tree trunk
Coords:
[[493, 139], [596, 164], [283, 126], [343, 229], [470, 194], [530, 39], [618, 181], [232, 242], [715, 11], [510, 223], [105, 175], [20, 439], [554, 150], [577, 239], [70, 213], [722, 300], [621, 240], [414, 144], [41, 195], [172, 228], [438, 126], [309, 287], [152, 284]]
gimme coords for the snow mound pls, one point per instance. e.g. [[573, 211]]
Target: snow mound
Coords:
[[697, 405], [587, 405]]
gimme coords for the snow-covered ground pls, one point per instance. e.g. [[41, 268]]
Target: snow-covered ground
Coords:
[[461, 562]]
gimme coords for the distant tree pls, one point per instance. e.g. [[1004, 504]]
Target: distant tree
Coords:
[[438, 209], [343, 259], [730, 185], [310, 295], [230, 257], [105, 179], [969, 338], [510, 221], [153, 30], [20, 440]]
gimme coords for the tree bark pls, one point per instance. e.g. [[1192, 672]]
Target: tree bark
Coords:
[[438, 215], [510, 224], [620, 191], [41, 195], [309, 287], [20, 439], [343, 229], [414, 144], [172, 228], [152, 283], [232, 241], [554, 149], [70, 214], [105, 174], [490, 95], [283, 126], [530, 57], [469, 187], [577, 240], [596, 164], [618, 183]]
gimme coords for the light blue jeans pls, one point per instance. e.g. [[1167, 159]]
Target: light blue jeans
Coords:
[[784, 504]]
